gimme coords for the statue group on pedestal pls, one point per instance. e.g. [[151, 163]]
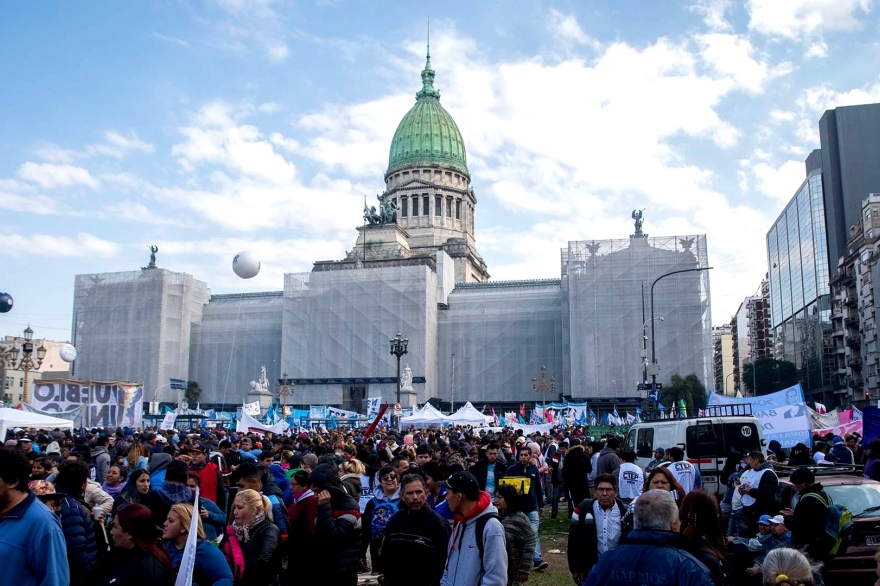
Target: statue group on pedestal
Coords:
[[386, 214], [261, 386]]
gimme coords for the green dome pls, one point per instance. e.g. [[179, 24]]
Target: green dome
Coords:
[[427, 135]]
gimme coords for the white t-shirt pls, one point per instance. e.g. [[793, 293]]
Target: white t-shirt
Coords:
[[490, 480], [818, 457], [684, 473], [630, 479]]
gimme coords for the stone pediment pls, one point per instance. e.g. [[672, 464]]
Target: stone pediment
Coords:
[[421, 183]]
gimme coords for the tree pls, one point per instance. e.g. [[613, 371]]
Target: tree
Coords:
[[690, 389], [769, 375], [193, 392]]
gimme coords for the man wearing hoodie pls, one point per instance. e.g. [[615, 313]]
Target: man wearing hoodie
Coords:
[[211, 481], [173, 490], [158, 464], [609, 462], [807, 520], [101, 459], [249, 475], [337, 529], [468, 564], [532, 500]]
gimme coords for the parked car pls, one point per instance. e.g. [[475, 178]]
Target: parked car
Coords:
[[861, 496]]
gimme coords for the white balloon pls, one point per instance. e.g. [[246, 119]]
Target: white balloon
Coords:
[[246, 265], [67, 353]]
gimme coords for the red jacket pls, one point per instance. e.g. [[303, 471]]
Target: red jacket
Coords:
[[212, 485]]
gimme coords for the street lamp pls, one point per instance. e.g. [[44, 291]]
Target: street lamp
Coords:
[[543, 388], [26, 363], [398, 349], [287, 388], [726, 386], [655, 368], [645, 347]]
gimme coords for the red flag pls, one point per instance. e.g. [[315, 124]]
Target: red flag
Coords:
[[522, 410], [549, 416], [373, 425], [491, 411]]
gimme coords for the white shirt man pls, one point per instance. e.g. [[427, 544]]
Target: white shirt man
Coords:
[[684, 472], [630, 479]]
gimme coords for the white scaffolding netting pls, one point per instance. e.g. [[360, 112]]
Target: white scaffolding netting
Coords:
[[135, 326], [501, 334], [602, 312]]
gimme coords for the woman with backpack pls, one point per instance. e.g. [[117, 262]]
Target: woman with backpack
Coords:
[[210, 566], [519, 536], [252, 544], [379, 511]]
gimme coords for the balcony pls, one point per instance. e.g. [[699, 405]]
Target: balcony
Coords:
[[837, 334], [854, 382], [853, 341], [854, 363], [851, 322], [848, 280], [851, 300]]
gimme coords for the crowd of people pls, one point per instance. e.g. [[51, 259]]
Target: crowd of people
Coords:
[[436, 507]]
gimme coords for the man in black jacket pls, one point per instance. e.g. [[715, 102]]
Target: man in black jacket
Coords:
[[807, 521], [489, 470], [576, 468], [602, 514], [557, 465], [413, 551], [337, 529]]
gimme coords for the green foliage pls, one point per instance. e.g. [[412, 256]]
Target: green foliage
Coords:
[[193, 392], [769, 375], [690, 389]]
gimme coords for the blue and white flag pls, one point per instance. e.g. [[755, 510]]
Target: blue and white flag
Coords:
[[783, 415]]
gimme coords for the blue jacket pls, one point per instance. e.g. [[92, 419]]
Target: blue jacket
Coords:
[[216, 521], [79, 535], [32, 546], [535, 498], [211, 568], [649, 557]]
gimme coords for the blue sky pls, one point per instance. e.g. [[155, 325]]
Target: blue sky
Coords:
[[214, 126]]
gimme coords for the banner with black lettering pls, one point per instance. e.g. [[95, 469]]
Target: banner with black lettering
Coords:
[[103, 404], [783, 415]]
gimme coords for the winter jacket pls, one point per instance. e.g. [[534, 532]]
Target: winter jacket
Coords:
[[576, 468], [583, 541], [95, 497], [262, 555], [131, 567], [807, 525], [701, 550], [649, 557], [352, 485], [210, 569], [608, 462], [843, 454], [520, 541], [764, 493], [211, 486], [79, 535], [32, 546], [160, 501], [300, 543], [368, 540], [413, 551], [480, 470], [463, 564], [158, 463], [282, 482], [101, 460], [534, 500], [337, 539], [555, 473], [215, 522]]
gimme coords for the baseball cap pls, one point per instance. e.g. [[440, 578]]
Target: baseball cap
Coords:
[[765, 519], [162, 439], [777, 520], [203, 448], [660, 450], [25, 438]]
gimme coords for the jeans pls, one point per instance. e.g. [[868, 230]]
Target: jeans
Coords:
[[558, 492], [534, 521], [738, 526]]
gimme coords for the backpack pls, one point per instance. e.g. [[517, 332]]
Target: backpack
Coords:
[[231, 549], [479, 529], [380, 517], [838, 524]]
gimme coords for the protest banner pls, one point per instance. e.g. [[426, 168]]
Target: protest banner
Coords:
[[373, 405], [841, 430], [103, 404], [252, 409], [248, 424], [168, 422], [783, 415]]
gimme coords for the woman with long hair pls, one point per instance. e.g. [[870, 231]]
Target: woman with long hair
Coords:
[[42, 468], [518, 533], [138, 558], [258, 537], [211, 517], [134, 491], [701, 529], [138, 456], [350, 472], [787, 567], [114, 480], [661, 478], [210, 565]]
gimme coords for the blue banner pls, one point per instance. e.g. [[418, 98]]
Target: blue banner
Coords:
[[783, 415]]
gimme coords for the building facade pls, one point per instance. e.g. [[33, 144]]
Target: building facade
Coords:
[[722, 359], [759, 323], [421, 275], [13, 379], [800, 311]]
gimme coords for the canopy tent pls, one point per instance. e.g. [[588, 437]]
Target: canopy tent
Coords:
[[427, 415], [11, 418], [468, 415]]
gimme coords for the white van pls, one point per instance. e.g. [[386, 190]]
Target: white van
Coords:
[[706, 440]]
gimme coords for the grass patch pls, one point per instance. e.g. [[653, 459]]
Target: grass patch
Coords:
[[554, 537]]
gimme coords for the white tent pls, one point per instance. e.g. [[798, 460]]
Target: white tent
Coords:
[[468, 415], [248, 423], [11, 418], [424, 417]]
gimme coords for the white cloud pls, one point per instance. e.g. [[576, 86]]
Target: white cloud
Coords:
[[782, 116], [278, 52], [50, 176], [173, 40], [713, 12], [798, 19], [30, 204], [55, 154], [781, 182], [821, 98], [269, 107], [567, 29], [817, 49], [119, 145], [732, 56], [53, 246]]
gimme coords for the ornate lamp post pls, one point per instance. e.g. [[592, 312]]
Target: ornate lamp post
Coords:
[[287, 388], [26, 362], [398, 349], [543, 388]]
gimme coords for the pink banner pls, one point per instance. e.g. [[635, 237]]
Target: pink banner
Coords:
[[841, 430], [846, 417]]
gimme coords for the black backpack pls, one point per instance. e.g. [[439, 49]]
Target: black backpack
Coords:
[[479, 529]]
